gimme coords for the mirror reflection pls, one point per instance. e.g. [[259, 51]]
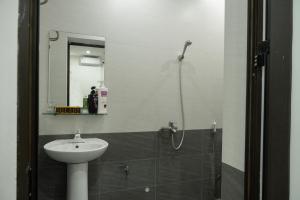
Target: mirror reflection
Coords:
[[76, 64], [86, 70]]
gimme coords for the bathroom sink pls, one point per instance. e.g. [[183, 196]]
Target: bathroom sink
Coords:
[[77, 150]]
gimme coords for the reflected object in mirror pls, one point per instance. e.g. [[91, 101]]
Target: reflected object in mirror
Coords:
[[76, 63], [93, 101]]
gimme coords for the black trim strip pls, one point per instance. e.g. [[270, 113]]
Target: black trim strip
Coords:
[[28, 104], [254, 102]]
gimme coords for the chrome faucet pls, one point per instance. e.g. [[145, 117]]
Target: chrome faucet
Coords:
[[77, 138]]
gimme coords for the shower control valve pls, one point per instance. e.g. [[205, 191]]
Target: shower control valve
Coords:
[[172, 127]]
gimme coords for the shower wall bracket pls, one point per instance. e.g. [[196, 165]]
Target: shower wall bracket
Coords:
[[214, 126]]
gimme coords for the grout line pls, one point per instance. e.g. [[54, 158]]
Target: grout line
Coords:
[[155, 186]]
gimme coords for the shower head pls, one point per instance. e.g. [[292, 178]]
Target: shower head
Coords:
[[186, 44]]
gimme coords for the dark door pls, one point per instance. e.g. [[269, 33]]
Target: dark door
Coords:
[[256, 64], [27, 127], [278, 100]]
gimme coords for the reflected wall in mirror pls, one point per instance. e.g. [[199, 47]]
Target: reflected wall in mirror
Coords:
[[86, 70], [76, 63]]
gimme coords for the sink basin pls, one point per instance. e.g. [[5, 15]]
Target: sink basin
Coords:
[[72, 151], [76, 152]]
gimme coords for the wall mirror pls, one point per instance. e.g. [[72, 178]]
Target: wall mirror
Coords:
[[76, 63]]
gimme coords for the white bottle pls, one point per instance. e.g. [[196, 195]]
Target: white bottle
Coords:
[[102, 99]]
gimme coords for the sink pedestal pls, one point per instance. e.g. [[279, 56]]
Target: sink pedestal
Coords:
[[77, 183], [77, 153]]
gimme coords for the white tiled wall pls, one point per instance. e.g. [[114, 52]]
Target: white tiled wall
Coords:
[[235, 71], [143, 39]]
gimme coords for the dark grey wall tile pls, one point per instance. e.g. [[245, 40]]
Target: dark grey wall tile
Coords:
[[128, 146], [46, 193], [218, 163], [151, 160], [134, 194], [52, 193], [93, 196], [193, 190], [112, 176], [217, 137], [53, 178], [94, 176], [185, 168], [195, 142], [232, 183]]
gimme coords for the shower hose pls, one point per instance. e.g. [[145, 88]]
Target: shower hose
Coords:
[[177, 147]]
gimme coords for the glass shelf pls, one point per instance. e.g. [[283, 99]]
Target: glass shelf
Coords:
[[56, 114]]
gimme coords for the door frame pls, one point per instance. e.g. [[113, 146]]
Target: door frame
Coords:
[[253, 103], [28, 100], [277, 101], [276, 120]]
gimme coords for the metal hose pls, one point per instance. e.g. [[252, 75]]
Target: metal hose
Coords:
[[177, 147]]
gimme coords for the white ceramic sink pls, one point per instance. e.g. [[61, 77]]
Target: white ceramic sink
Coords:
[[76, 150]]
